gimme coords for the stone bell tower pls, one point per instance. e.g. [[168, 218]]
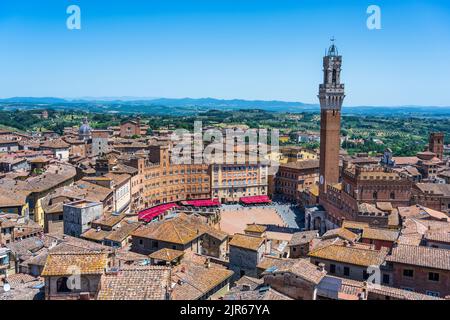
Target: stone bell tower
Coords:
[[436, 144], [331, 96]]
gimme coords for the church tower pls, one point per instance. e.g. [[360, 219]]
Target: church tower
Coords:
[[436, 144], [331, 96]]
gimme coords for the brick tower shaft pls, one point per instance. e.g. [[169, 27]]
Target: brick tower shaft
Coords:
[[331, 96], [436, 144]]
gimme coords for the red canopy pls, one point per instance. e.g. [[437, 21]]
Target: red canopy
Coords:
[[202, 203], [255, 200], [149, 214]]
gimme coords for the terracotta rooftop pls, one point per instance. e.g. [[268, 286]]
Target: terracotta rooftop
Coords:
[[421, 212], [108, 221], [302, 165], [350, 254], [181, 230], [350, 289], [251, 282], [394, 219], [380, 234], [421, 256], [303, 269], [303, 237], [61, 264], [22, 287], [410, 239], [12, 198], [368, 208], [38, 259], [246, 242], [253, 289], [136, 283], [438, 236], [55, 144], [125, 230], [191, 281], [398, 293], [173, 231], [118, 178], [354, 225], [274, 262], [434, 189], [58, 243], [255, 228], [412, 170], [55, 175], [92, 191], [11, 160], [123, 254], [95, 235], [39, 160], [340, 233], [166, 254], [122, 168], [421, 226], [215, 233], [402, 161], [385, 206]]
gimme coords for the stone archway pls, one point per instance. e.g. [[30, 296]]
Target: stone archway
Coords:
[[315, 219]]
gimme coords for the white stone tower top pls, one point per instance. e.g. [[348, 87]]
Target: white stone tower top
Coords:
[[331, 91]]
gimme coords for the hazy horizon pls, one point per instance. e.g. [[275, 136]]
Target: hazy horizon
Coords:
[[149, 99]]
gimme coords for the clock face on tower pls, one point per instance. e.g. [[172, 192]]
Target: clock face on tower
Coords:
[[321, 180]]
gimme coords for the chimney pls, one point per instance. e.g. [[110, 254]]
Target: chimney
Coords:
[[321, 267]]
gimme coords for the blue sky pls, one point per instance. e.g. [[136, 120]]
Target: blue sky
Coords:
[[249, 49]]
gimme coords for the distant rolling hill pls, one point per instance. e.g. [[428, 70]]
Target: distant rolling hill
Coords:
[[44, 100], [189, 106]]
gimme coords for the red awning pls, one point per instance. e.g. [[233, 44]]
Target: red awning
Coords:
[[202, 203], [149, 214], [255, 200]]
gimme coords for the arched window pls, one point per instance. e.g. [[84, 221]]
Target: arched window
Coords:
[[334, 76], [392, 195], [375, 195]]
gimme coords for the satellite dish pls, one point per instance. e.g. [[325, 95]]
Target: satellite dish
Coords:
[[6, 287]]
